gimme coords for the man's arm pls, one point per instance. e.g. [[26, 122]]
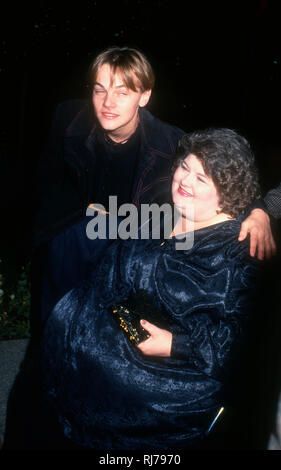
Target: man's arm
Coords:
[[273, 202], [258, 225], [261, 238]]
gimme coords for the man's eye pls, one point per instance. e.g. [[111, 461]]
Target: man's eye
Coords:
[[99, 91], [201, 179]]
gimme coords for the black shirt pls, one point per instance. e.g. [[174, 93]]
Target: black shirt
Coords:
[[115, 169]]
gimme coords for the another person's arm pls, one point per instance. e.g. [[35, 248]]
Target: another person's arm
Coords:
[[258, 225], [273, 202], [261, 238]]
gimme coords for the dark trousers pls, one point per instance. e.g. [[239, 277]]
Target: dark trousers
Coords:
[[58, 267], [70, 258]]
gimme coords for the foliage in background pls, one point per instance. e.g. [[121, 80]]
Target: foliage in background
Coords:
[[15, 304]]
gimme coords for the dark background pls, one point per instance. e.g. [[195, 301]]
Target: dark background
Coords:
[[216, 64]]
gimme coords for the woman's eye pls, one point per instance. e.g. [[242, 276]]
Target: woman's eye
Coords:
[[184, 167], [201, 179]]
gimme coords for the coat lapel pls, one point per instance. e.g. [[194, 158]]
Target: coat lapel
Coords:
[[154, 166]]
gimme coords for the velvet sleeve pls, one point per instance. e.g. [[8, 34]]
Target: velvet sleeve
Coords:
[[213, 333]]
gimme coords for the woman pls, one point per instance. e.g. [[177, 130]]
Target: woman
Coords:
[[163, 393]]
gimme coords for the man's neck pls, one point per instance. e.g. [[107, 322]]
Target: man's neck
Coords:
[[120, 139], [123, 137]]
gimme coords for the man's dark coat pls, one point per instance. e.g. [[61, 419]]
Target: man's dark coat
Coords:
[[65, 169]]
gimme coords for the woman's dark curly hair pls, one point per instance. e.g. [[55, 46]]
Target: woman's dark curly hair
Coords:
[[228, 160]]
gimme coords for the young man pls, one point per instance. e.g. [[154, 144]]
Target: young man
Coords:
[[112, 146]]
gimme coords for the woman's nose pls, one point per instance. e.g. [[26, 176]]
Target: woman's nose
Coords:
[[187, 179]]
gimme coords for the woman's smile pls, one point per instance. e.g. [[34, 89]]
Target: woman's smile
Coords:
[[184, 192]]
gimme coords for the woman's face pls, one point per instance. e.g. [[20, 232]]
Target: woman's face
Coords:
[[193, 190]]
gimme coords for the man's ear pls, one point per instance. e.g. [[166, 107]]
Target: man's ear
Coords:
[[145, 98]]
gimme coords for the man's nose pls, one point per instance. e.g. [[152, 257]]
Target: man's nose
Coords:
[[109, 100]]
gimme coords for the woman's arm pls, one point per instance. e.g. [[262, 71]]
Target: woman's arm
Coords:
[[211, 337]]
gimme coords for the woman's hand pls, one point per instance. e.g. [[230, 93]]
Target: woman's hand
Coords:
[[258, 226], [159, 343]]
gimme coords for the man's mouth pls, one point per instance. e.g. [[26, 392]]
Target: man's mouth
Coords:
[[109, 115]]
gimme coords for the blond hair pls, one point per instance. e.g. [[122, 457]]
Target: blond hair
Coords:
[[134, 67]]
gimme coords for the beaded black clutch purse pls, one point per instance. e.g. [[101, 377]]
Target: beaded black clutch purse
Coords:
[[129, 311]]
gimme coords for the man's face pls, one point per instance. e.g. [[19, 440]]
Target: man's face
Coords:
[[116, 106]]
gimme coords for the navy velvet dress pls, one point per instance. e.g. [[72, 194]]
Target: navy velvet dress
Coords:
[[106, 393]]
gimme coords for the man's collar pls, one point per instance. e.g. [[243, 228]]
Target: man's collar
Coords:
[[84, 126], [109, 141]]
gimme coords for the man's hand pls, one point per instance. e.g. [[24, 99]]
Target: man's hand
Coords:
[[258, 226], [159, 343], [96, 208]]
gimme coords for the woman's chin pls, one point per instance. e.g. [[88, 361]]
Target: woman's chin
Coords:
[[186, 210]]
